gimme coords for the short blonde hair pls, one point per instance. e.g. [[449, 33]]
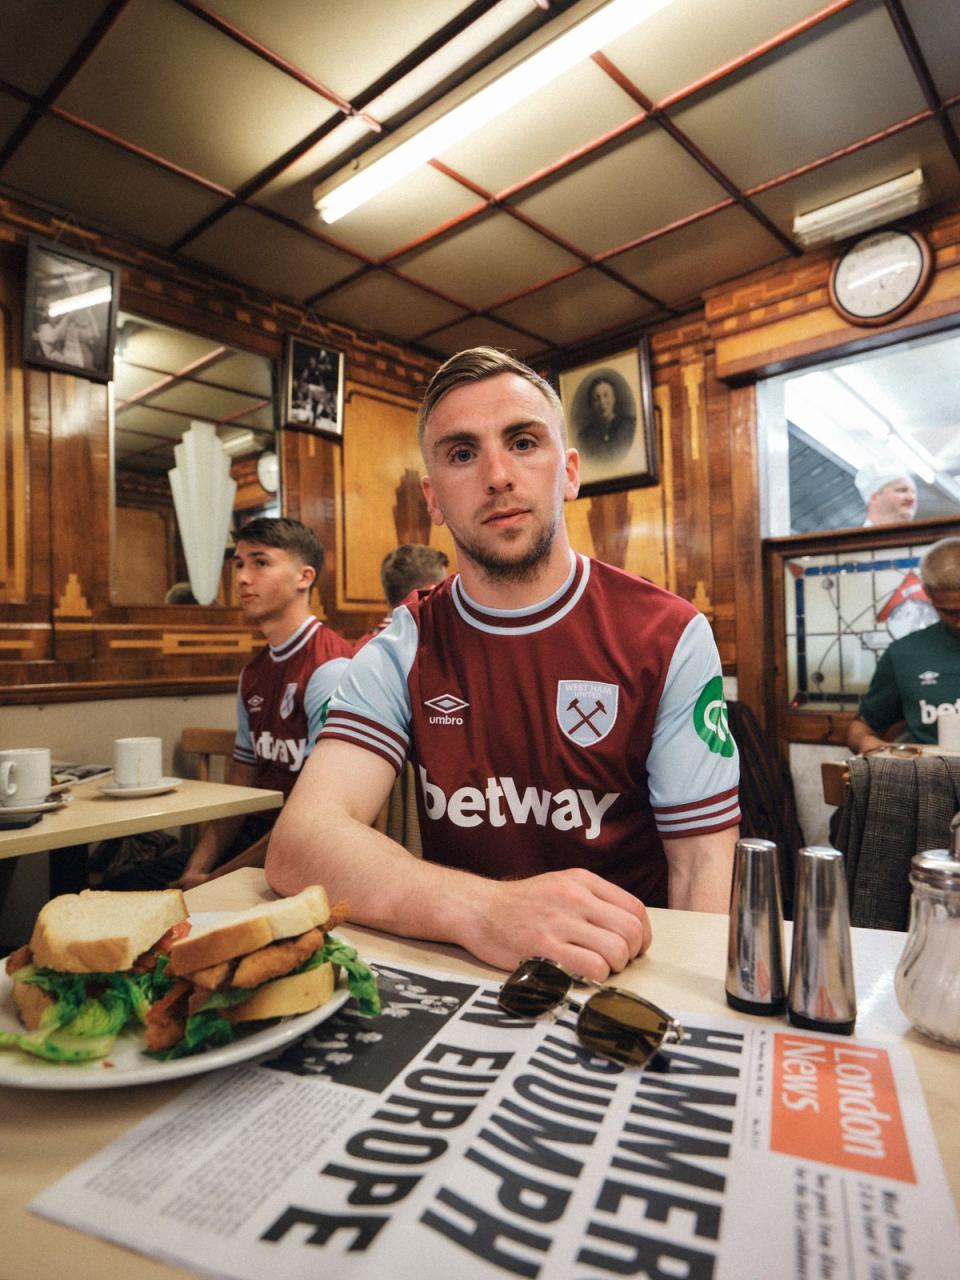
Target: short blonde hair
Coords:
[[476, 365]]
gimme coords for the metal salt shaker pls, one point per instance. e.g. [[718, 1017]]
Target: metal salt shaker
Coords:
[[755, 968], [821, 995]]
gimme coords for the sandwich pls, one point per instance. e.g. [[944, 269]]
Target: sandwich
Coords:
[[93, 966], [271, 961]]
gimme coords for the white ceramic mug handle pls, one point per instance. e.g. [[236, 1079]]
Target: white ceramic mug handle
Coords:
[[6, 769]]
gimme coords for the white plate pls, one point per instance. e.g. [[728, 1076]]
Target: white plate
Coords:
[[132, 793], [62, 783], [52, 802], [130, 1065]]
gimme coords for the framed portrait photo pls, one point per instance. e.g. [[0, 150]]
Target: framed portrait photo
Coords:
[[610, 420], [70, 324], [313, 387]]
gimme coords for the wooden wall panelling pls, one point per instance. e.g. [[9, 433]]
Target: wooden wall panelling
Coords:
[[14, 458], [308, 465], [697, 584], [80, 487], [380, 500], [751, 637], [782, 316]]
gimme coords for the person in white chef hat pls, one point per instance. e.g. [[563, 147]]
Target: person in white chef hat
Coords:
[[888, 491]]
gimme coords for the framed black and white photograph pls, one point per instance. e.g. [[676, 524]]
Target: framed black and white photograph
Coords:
[[71, 311], [610, 420], [313, 398]]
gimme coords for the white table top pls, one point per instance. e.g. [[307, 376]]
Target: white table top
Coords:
[[92, 816], [47, 1134]]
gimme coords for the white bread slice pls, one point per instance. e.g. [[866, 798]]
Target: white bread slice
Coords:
[[250, 929], [99, 931], [296, 993]]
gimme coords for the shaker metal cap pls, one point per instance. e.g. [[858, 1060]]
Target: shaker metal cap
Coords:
[[935, 868]]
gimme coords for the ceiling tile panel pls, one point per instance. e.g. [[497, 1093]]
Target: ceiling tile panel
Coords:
[[61, 165], [691, 38], [12, 111], [345, 47], [544, 129], [31, 60], [493, 257], [480, 331], [676, 267], [250, 247], [410, 209], [168, 82], [573, 311], [921, 147], [937, 27], [380, 303], [641, 185], [853, 69]]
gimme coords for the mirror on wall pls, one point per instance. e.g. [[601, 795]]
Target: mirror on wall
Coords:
[[165, 379], [835, 435]]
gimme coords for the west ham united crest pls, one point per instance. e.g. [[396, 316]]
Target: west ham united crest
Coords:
[[586, 710], [289, 697]]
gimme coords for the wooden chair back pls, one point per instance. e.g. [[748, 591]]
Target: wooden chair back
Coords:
[[207, 743]]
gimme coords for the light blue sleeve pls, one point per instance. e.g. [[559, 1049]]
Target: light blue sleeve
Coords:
[[372, 703], [243, 743], [693, 764], [320, 689]]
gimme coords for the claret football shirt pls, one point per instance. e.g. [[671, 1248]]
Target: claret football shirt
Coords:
[[281, 702], [576, 733]]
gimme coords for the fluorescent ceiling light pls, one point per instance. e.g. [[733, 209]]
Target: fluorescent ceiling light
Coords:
[[860, 212], [241, 442], [908, 453], [77, 301], [575, 45]]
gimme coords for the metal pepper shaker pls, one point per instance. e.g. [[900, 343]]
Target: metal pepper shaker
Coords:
[[755, 966], [822, 994]]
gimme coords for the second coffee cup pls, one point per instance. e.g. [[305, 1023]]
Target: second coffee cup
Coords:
[[137, 762]]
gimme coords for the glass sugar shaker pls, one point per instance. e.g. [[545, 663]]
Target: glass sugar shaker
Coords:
[[928, 975]]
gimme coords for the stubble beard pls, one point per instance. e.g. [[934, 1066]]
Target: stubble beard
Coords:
[[499, 568]]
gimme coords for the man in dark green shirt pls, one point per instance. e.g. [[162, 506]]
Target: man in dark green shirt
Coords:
[[918, 677]]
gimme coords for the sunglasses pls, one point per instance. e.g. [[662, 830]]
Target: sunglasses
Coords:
[[612, 1022]]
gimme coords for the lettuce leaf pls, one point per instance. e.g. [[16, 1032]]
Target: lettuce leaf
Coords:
[[78, 1026], [360, 978]]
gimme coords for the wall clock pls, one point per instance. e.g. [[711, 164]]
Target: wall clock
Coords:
[[880, 277], [268, 471]]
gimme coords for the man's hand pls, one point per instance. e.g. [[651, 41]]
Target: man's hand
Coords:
[[190, 880], [585, 923], [861, 738]]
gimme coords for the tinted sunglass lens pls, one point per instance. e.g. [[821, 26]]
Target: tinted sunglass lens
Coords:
[[533, 988], [620, 1027]]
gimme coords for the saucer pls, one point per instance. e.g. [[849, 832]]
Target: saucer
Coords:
[[132, 793], [62, 782], [45, 806]]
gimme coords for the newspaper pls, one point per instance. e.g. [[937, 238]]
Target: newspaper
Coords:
[[447, 1139]]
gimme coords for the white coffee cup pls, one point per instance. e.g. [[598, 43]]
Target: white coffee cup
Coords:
[[24, 776], [137, 762], [948, 730]]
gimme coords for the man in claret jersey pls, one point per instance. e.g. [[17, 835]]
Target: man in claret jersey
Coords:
[[565, 720], [284, 690]]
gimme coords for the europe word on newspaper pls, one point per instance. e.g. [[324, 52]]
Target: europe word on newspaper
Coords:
[[447, 1139]]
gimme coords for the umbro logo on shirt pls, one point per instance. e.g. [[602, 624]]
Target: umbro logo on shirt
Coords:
[[255, 703], [928, 677], [448, 704]]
